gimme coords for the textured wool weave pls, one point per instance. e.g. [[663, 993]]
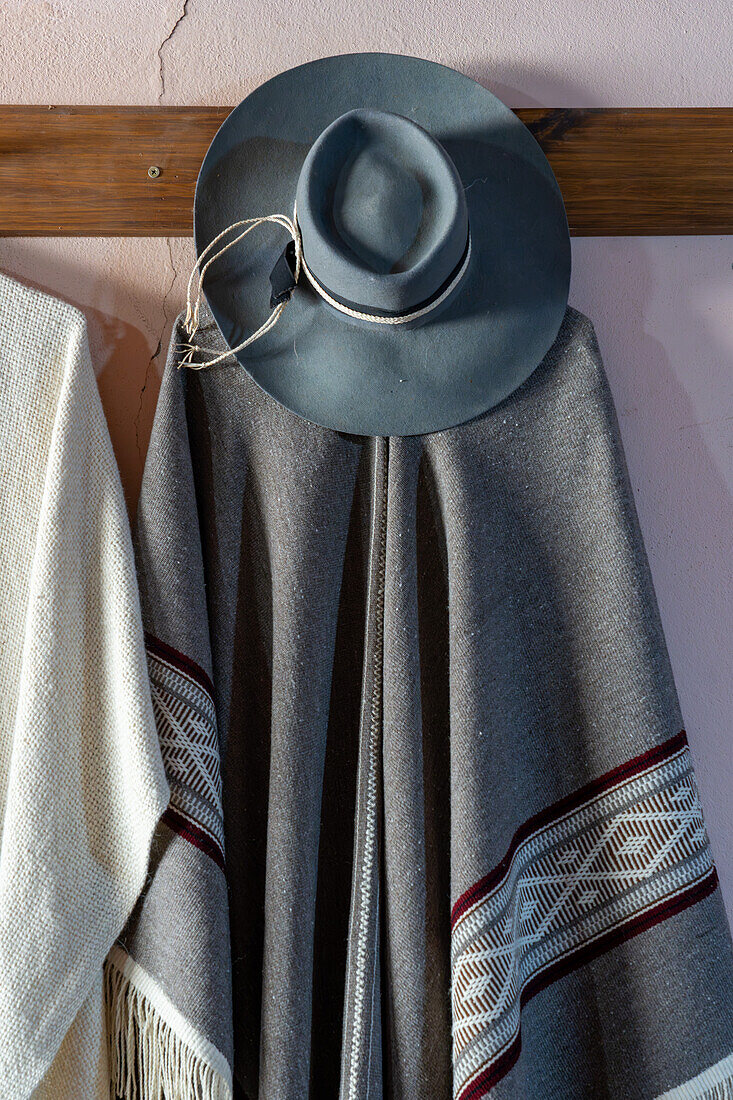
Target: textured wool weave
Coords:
[[82, 783], [434, 829]]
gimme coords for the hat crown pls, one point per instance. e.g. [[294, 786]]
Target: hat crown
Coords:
[[381, 210]]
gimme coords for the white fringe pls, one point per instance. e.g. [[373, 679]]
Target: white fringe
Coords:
[[155, 1054]]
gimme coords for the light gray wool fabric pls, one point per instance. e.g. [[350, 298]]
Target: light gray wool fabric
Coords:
[[434, 827]]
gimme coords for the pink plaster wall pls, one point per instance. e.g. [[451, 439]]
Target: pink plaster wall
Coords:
[[662, 307]]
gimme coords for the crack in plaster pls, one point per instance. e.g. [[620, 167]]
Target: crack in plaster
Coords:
[[164, 43]]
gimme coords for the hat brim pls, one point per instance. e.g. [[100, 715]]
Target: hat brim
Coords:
[[368, 379]]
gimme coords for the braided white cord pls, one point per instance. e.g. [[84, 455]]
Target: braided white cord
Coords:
[[191, 321]]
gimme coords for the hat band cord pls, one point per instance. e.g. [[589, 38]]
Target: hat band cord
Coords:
[[191, 321], [395, 318]]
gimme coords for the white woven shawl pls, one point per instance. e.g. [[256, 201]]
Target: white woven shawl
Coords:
[[82, 783]]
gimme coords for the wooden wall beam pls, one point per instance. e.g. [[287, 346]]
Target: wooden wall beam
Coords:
[[83, 171]]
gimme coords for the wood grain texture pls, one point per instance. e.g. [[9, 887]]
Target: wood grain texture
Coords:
[[83, 171], [637, 171]]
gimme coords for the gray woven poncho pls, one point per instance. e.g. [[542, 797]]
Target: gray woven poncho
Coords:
[[434, 830]]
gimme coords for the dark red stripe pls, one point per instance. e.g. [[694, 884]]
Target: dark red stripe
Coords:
[[615, 936], [493, 1073], [564, 805], [194, 835], [180, 661]]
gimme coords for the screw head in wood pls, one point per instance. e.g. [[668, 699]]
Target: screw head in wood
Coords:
[[153, 171]]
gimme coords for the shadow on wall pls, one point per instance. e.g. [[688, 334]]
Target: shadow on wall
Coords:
[[130, 291]]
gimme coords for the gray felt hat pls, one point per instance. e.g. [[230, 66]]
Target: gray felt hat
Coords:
[[431, 246]]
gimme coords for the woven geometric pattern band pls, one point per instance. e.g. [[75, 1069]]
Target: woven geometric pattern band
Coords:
[[186, 721], [623, 853]]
